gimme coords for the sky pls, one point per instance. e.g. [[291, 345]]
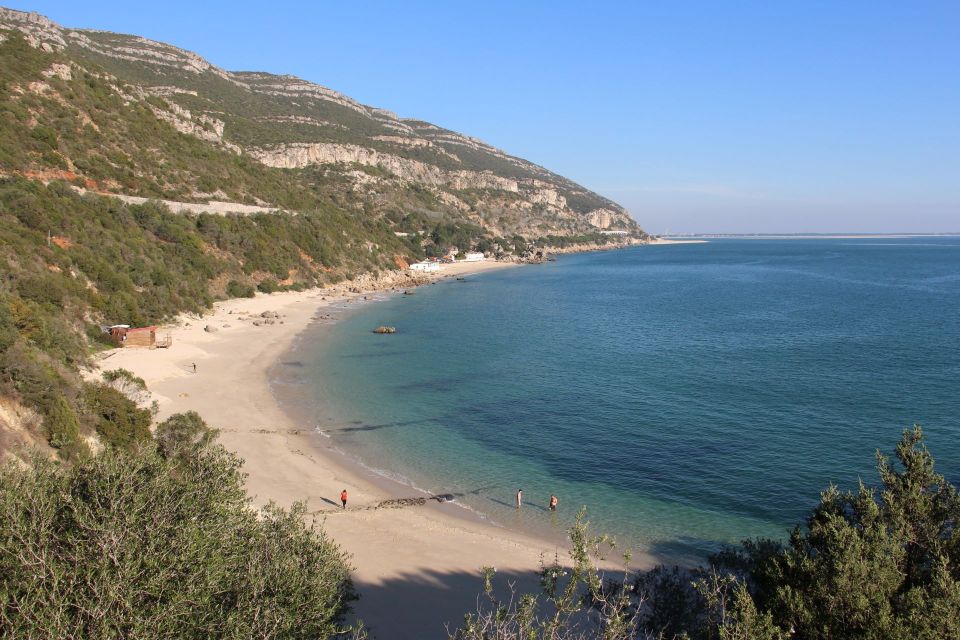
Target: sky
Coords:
[[710, 117]]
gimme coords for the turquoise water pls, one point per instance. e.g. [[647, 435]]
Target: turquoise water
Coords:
[[687, 395]]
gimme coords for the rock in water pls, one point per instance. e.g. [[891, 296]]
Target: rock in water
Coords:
[[385, 330]]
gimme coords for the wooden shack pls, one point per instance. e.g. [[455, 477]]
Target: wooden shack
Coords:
[[126, 336]]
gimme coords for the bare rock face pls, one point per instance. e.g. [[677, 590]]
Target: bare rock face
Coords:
[[605, 218], [297, 155]]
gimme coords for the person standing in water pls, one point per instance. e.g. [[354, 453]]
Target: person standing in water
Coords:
[[343, 498], [519, 498], [553, 503]]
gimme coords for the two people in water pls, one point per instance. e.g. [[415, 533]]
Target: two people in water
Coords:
[[552, 504]]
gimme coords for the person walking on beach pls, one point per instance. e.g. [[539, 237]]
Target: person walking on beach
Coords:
[[343, 498], [194, 367], [519, 498], [553, 503]]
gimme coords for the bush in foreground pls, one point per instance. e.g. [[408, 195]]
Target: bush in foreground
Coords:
[[142, 545], [881, 565]]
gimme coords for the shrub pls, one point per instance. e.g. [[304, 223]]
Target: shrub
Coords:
[[133, 387], [236, 289], [861, 568], [183, 434], [63, 428], [268, 285], [45, 135], [8, 330], [120, 423], [126, 545]]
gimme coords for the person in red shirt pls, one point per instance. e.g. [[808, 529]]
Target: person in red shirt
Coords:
[[343, 498]]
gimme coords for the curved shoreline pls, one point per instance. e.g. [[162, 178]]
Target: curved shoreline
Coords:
[[416, 568]]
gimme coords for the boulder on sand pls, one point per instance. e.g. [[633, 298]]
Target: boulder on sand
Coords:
[[210, 328]]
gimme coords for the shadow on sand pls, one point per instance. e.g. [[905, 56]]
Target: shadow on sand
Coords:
[[420, 606]]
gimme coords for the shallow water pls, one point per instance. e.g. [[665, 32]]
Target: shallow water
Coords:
[[687, 395]]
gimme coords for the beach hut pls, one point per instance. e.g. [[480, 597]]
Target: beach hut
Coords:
[[126, 336]]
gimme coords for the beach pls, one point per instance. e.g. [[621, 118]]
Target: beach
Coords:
[[417, 562]]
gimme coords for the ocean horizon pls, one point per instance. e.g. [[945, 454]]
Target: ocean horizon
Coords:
[[688, 396]]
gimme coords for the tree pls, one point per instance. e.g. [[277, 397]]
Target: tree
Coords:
[[869, 568], [183, 434], [63, 428], [119, 421], [127, 545], [868, 565]]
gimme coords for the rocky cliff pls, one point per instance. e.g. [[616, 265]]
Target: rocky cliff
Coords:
[[367, 159]]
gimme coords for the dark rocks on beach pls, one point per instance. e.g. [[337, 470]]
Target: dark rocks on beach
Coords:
[[398, 503], [385, 330], [269, 314]]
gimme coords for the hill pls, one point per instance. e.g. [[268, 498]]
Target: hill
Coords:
[[139, 181], [405, 171]]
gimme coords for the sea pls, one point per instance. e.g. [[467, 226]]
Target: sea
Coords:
[[685, 396]]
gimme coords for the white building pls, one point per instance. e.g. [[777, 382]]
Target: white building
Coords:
[[473, 257], [425, 266]]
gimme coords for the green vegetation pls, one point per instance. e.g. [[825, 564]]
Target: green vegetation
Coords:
[[869, 564], [880, 564], [183, 435], [154, 536], [67, 259], [267, 117], [146, 544], [119, 422]]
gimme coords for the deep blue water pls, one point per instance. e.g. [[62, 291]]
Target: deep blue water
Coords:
[[687, 395]]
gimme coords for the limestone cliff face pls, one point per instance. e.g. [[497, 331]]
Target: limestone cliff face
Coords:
[[292, 156], [384, 161]]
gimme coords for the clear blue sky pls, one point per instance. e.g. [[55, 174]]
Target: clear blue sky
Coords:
[[710, 116]]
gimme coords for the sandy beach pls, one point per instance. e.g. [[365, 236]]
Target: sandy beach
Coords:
[[416, 566], [657, 241]]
